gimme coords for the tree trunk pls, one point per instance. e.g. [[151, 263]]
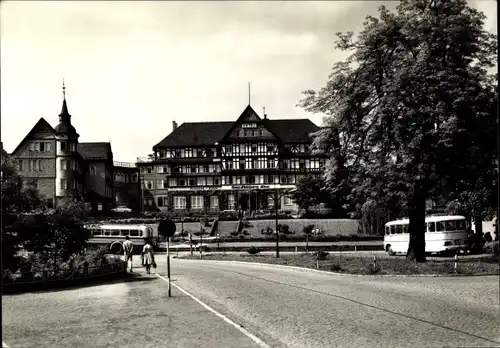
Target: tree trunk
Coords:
[[478, 224], [416, 229]]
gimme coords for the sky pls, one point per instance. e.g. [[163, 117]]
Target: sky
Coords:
[[131, 68]]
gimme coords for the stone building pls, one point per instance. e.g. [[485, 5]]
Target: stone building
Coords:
[[54, 161]]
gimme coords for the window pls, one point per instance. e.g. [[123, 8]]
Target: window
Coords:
[[47, 146], [64, 164], [231, 202], [50, 203], [33, 184], [42, 147], [214, 202], [261, 133], [192, 182], [210, 181], [214, 152], [134, 178], [73, 184], [162, 201], [149, 184], [32, 146], [63, 146], [182, 182], [72, 147], [37, 146], [20, 165], [270, 201], [196, 202], [202, 181], [64, 184], [159, 169], [440, 226], [92, 170], [150, 170], [179, 202], [188, 152]]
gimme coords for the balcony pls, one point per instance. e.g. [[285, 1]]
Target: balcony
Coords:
[[145, 159], [124, 164]]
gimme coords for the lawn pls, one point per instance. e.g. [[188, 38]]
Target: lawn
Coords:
[[364, 264]]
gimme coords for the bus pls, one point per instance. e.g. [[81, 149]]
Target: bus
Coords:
[[113, 235], [444, 234]]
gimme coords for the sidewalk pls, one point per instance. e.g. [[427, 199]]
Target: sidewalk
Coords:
[[136, 313]]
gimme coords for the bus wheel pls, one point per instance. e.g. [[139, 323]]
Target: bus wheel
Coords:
[[116, 248], [389, 250]]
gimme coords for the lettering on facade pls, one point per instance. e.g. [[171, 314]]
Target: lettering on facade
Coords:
[[246, 187]]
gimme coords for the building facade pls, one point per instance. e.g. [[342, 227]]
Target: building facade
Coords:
[[236, 165], [126, 186], [59, 166]]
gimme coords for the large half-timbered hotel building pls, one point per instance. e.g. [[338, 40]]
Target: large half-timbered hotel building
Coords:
[[236, 165]]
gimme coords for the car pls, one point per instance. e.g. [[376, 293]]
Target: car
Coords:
[[121, 209]]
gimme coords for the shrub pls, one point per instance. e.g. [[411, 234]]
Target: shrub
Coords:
[[336, 267], [245, 232], [253, 250], [242, 236], [491, 248], [234, 233], [308, 229], [321, 255]]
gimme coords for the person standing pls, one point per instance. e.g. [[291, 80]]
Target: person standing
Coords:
[[147, 255], [128, 250]]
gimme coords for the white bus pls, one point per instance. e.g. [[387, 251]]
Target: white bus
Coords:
[[443, 234], [113, 235]]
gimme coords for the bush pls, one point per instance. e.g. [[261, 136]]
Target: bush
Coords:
[[245, 232], [308, 229], [253, 250], [234, 233], [335, 267], [321, 255], [491, 248]]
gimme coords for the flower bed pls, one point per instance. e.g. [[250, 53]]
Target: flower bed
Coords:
[[38, 273]]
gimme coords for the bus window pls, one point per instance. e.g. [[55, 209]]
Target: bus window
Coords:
[[440, 227], [134, 233], [106, 232], [461, 225], [405, 228], [115, 232], [387, 230], [393, 229], [431, 226], [96, 232], [399, 229], [450, 226]]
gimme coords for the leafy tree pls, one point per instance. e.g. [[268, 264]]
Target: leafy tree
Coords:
[[402, 105], [61, 234], [16, 201], [309, 191]]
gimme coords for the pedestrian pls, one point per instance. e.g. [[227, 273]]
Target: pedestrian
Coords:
[[147, 256], [128, 249]]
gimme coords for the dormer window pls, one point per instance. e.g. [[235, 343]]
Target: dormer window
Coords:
[[63, 146], [237, 133]]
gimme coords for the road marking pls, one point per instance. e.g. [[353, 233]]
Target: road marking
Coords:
[[254, 338]]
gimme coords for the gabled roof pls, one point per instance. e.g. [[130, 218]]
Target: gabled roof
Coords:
[[196, 133], [42, 123], [293, 130], [95, 151]]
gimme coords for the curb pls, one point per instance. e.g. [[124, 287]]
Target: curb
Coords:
[[356, 275]]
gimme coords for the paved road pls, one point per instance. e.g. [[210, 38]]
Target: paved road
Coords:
[[289, 244], [289, 308], [282, 307]]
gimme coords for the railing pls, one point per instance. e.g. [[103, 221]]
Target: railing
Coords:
[[124, 164], [144, 159]]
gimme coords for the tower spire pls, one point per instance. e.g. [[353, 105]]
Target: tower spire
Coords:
[[64, 90], [248, 92], [64, 111]]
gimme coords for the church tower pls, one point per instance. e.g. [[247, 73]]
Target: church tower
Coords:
[[68, 166]]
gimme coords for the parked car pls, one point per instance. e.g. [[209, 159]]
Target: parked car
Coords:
[[121, 209]]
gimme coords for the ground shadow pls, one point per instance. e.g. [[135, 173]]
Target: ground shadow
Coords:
[[12, 289]]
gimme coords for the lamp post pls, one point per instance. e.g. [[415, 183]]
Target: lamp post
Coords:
[[277, 198]]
